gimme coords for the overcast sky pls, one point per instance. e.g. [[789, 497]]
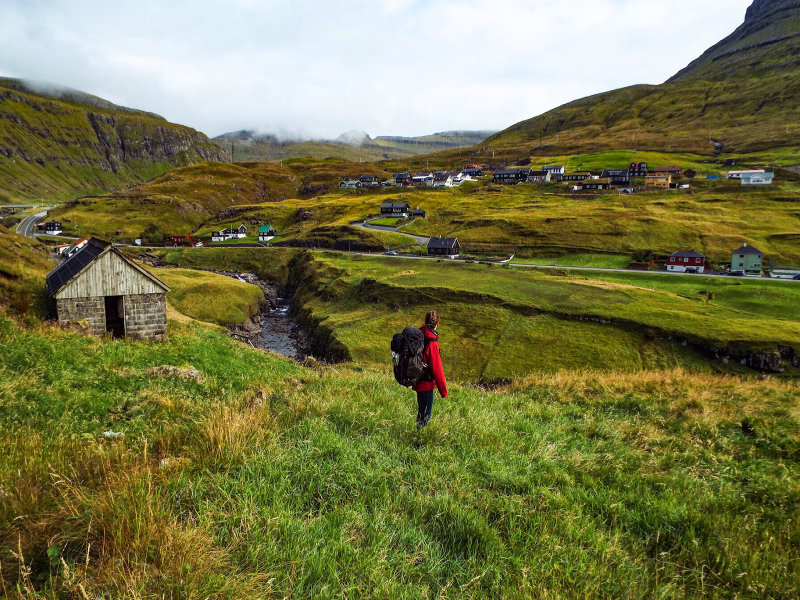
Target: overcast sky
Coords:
[[323, 67]]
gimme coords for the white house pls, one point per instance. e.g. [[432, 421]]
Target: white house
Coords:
[[443, 180], [757, 178], [460, 178], [539, 177], [554, 169], [741, 174], [426, 178], [229, 234]]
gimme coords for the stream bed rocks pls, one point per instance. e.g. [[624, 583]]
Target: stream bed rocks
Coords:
[[273, 328]]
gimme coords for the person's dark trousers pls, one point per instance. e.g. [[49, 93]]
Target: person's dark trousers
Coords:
[[425, 403]]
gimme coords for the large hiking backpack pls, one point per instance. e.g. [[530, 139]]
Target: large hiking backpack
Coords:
[[407, 356]]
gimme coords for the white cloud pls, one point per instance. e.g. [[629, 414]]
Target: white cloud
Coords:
[[390, 67]]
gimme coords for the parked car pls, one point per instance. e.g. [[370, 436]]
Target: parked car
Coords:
[[796, 277], [691, 269], [737, 273], [390, 253]]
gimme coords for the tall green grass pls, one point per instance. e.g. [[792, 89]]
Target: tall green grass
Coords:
[[271, 479]]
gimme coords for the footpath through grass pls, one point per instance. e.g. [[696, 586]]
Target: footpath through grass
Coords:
[[272, 480]]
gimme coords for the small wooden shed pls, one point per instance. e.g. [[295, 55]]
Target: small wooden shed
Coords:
[[107, 292]]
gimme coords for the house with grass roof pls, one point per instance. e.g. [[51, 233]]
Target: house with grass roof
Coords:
[[748, 259]]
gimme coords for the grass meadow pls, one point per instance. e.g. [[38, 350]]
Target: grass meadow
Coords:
[[502, 323], [209, 297], [271, 479]]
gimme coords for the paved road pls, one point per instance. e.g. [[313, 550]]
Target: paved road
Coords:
[[532, 266], [28, 226], [419, 240]]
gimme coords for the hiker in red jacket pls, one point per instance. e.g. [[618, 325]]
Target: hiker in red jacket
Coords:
[[434, 379]]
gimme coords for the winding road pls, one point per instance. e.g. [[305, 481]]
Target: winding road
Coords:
[[28, 226], [419, 240]]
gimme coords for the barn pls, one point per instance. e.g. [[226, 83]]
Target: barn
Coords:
[[109, 293]]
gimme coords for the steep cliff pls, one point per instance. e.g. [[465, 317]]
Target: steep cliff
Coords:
[[59, 144]]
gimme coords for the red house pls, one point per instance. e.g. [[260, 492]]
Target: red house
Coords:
[[690, 173], [687, 262]]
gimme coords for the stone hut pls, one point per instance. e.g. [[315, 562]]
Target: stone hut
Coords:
[[107, 292]]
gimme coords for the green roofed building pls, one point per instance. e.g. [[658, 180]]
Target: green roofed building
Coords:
[[747, 259], [266, 233]]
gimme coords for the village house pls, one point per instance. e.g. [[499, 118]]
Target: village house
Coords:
[[748, 259], [443, 180], [686, 261], [538, 177], [73, 248], [675, 171], [740, 174], [183, 241], [511, 176], [595, 185], [419, 213], [229, 234], [423, 178], [395, 209], [369, 181], [690, 173], [637, 169], [350, 184], [554, 169], [266, 233], [459, 178], [473, 171], [577, 176], [50, 228], [106, 292], [442, 246], [617, 176], [403, 179], [659, 180], [757, 179]]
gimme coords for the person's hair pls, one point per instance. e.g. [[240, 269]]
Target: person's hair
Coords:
[[432, 320]]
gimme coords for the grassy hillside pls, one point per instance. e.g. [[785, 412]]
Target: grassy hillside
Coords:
[[502, 323], [548, 222], [211, 298], [209, 196], [268, 479], [23, 267], [739, 96], [55, 147], [250, 146]]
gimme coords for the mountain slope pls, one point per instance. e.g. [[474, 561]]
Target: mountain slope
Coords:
[[56, 144], [741, 95], [352, 146]]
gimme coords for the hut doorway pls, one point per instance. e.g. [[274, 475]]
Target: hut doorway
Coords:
[[115, 316]]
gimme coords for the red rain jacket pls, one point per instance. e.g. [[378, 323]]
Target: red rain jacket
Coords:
[[433, 359]]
